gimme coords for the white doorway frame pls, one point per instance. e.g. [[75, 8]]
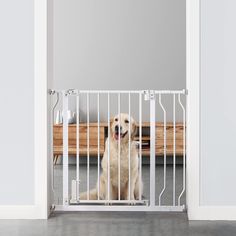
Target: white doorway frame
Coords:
[[42, 79], [39, 209], [196, 211], [41, 98], [41, 105], [193, 104]]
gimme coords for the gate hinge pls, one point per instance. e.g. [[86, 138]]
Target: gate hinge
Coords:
[[71, 92], [51, 91], [186, 91], [149, 95], [52, 208]]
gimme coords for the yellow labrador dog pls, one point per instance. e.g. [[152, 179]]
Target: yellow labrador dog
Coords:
[[124, 163]]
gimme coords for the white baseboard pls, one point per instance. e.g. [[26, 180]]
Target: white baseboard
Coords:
[[212, 213], [22, 212]]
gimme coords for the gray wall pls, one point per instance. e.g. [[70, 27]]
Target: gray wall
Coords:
[[218, 83], [126, 44], [16, 103]]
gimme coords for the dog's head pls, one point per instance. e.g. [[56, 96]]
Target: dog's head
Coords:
[[120, 127]]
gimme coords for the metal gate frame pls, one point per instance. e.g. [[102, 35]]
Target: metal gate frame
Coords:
[[109, 205]]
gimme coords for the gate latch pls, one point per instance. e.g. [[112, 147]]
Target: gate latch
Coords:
[[149, 95]]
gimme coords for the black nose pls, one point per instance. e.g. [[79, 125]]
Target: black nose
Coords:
[[117, 128]]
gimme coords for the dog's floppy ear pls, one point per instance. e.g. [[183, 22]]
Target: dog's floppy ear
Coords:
[[134, 130]]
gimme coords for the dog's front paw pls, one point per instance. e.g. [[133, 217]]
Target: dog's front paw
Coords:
[[108, 203], [132, 203]]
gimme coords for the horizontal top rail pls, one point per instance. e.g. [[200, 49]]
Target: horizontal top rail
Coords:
[[77, 91], [105, 124], [183, 91]]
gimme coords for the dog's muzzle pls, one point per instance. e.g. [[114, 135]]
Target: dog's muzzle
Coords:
[[122, 135]]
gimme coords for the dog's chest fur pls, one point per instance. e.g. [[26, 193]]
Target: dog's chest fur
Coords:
[[124, 163]]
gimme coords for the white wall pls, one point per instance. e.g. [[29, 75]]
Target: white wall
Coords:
[[126, 44], [16, 103], [218, 111]]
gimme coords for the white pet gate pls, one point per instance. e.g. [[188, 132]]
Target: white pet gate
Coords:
[[155, 107]]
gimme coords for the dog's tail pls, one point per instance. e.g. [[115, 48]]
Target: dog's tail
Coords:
[[92, 195]]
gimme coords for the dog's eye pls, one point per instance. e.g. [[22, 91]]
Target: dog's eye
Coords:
[[126, 121], [116, 119]]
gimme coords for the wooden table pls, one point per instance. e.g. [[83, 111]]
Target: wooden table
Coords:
[[93, 139]]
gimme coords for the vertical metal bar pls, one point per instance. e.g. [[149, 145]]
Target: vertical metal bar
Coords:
[[119, 117], [152, 148], [129, 150], [140, 146], [77, 145], [174, 149], [98, 118], [52, 146], [88, 139], [184, 148], [65, 150], [164, 176], [108, 142]]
